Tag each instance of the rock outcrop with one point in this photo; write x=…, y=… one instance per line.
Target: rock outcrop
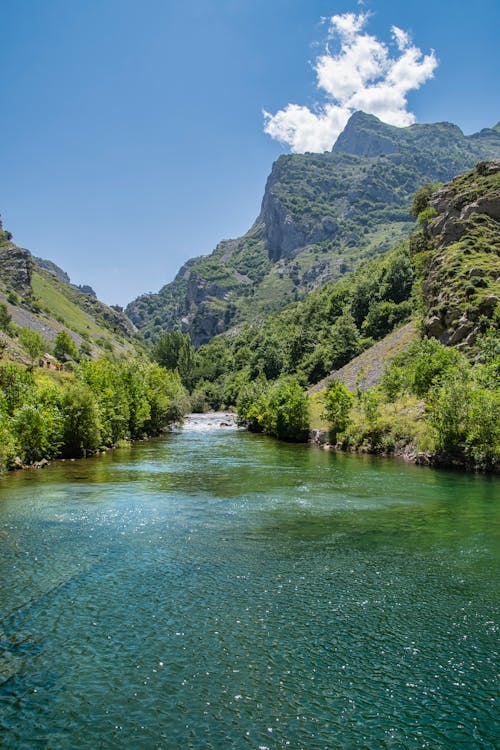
x=462, y=285
x=16, y=268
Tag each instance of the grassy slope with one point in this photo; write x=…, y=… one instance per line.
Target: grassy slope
x=49, y=305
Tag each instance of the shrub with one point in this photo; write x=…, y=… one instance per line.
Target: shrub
x=280, y=409
x=33, y=342
x=37, y=432
x=466, y=419
x=8, y=447
x=64, y=347
x=81, y=426
x=338, y=402
x=5, y=318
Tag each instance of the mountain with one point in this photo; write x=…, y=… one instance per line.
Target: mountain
x=37, y=294
x=54, y=269
x=413, y=333
x=321, y=215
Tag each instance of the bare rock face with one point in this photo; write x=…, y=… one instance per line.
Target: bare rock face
x=282, y=233
x=16, y=268
x=366, y=135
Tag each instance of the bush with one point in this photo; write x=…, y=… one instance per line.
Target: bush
x=81, y=427
x=64, y=347
x=423, y=365
x=338, y=402
x=466, y=419
x=5, y=318
x=33, y=343
x=8, y=447
x=37, y=431
x=281, y=409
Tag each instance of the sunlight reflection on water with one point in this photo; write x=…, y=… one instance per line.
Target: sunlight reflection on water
x=202, y=590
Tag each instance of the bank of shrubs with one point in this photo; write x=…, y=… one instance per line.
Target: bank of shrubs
x=44, y=414
x=433, y=400
x=279, y=408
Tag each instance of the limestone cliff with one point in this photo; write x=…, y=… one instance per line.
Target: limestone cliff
x=321, y=215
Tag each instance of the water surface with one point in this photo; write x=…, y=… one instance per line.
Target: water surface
x=216, y=589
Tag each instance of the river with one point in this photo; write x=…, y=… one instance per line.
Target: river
x=217, y=589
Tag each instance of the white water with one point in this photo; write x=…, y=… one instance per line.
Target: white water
x=215, y=420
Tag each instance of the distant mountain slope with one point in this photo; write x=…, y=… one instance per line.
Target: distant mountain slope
x=38, y=296
x=321, y=215
x=443, y=282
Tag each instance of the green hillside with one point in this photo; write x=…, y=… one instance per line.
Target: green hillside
x=41, y=300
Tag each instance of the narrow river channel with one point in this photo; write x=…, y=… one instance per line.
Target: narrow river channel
x=215, y=589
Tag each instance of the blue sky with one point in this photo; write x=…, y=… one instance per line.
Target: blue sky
x=132, y=133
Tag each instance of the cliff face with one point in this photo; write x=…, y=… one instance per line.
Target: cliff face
x=321, y=215
x=16, y=268
x=462, y=283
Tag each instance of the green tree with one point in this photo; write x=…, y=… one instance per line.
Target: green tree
x=8, y=447
x=81, y=426
x=337, y=402
x=280, y=409
x=37, y=432
x=64, y=347
x=5, y=318
x=421, y=198
x=174, y=351
x=345, y=340
x=33, y=343
x=16, y=385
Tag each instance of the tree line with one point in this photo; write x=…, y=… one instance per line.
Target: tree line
x=46, y=414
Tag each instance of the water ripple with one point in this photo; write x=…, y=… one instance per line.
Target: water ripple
x=219, y=590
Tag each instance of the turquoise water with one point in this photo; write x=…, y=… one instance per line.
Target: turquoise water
x=222, y=590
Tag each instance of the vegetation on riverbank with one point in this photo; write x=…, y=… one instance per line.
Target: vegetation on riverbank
x=432, y=400
x=46, y=414
x=400, y=356
x=433, y=405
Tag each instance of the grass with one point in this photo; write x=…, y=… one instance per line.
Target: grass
x=61, y=308
x=316, y=407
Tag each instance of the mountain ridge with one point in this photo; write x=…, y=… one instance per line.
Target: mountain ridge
x=321, y=215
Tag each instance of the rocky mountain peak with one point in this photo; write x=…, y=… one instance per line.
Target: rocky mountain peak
x=366, y=135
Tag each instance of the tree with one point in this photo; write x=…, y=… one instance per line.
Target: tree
x=174, y=351
x=5, y=318
x=33, y=342
x=37, y=431
x=280, y=409
x=420, y=201
x=338, y=401
x=64, y=347
x=81, y=426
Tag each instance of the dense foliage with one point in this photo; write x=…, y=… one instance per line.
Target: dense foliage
x=431, y=400
x=279, y=409
x=310, y=338
x=44, y=414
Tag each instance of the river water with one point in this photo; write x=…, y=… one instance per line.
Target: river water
x=216, y=589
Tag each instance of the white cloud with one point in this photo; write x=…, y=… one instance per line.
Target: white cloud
x=361, y=74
